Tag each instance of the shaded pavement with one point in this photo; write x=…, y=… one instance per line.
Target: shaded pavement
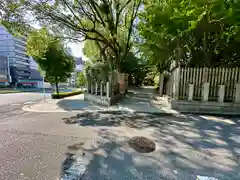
x=186, y=146
x=143, y=100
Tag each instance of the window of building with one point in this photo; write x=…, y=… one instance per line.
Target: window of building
x=20, y=54
x=20, y=43
x=2, y=70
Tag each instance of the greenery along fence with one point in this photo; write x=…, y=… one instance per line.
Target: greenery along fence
x=178, y=85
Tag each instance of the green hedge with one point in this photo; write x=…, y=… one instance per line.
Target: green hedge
x=65, y=94
x=9, y=91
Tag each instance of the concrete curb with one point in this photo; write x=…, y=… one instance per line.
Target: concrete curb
x=164, y=111
x=29, y=108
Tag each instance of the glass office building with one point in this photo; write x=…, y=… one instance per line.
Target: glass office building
x=22, y=68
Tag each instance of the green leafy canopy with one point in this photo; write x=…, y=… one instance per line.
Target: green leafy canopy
x=51, y=56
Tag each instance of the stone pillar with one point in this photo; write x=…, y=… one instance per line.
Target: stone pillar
x=96, y=89
x=190, y=92
x=237, y=95
x=161, y=80
x=92, y=90
x=101, y=89
x=205, y=92
x=221, y=93
x=88, y=87
x=108, y=89
x=176, y=82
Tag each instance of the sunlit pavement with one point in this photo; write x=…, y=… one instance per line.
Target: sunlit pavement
x=187, y=147
x=15, y=99
x=41, y=146
x=34, y=145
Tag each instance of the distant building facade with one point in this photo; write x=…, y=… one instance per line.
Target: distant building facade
x=22, y=68
x=4, y=70
x=78, y=67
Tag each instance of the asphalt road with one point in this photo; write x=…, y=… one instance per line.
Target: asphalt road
x=33, y=146
x=19, y=98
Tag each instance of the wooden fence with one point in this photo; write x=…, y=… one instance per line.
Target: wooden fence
x=179, y=80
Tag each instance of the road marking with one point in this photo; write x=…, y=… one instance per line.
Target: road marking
x=29, y=102
x=74, y=167
x=15, y=104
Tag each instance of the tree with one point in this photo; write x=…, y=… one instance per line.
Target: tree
x=81, y=79
x=12, y=17
x=163, y=27
x=51, y=56
x=100, y=21
x=135, y=67
x=91, y=51
x=193, y=33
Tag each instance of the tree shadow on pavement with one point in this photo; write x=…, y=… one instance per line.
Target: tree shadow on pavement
x=99, y=118
x=187, y=146
x=210, y=141
x=114, y=159
x=110, y=160
x=117, y=118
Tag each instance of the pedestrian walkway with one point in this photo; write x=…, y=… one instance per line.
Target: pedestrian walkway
x=137, y=100
x=73, y=104
x=144, y=100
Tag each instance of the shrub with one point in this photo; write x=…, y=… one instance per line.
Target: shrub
x=65, y=94
x=9, y=91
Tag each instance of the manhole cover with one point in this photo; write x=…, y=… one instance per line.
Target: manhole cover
x=142, y=144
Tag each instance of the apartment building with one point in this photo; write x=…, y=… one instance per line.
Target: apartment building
x=22, y=70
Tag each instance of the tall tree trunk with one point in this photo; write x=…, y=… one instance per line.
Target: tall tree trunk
x=56, y=83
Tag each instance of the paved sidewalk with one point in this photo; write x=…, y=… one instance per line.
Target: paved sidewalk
x=73, y=104
x=141, y=100
x=137, y=100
